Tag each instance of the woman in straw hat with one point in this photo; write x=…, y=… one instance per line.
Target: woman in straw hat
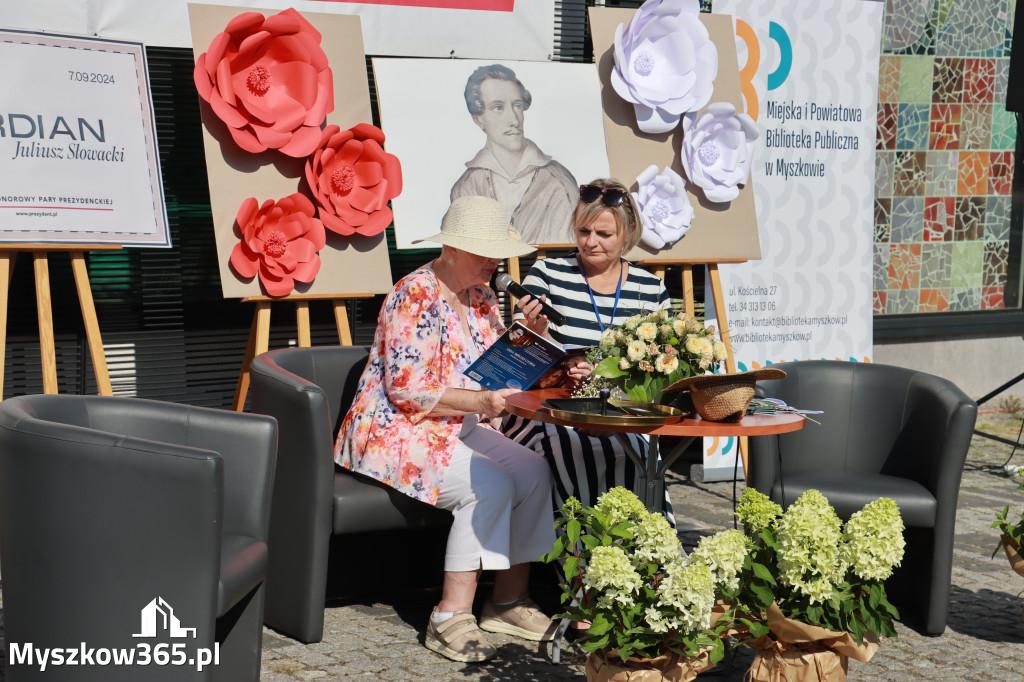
x=421, y=426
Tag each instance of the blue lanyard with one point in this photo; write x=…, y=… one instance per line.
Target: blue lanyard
x=618, y=290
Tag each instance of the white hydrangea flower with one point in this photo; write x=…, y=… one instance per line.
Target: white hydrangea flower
x=665, y=63
x=717, y=150
x=656, y=541
x=611, y=573
x=665, y=209
x=873, y=540
x=723, y=553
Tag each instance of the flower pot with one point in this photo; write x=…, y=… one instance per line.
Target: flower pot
x=606, y=666
x=1011, y=548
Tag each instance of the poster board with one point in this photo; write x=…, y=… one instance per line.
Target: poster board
x=429, y=126
x=355, y=264
x=719, y=232
x=78, y=153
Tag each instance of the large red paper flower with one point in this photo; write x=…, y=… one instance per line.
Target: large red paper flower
x=268, y=80
x=352, y=179
x=279, y=242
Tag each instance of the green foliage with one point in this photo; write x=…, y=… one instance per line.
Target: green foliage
x=1008, y=528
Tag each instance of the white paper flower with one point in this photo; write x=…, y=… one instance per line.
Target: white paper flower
x=718, y=147
x=665, y=63
x=665, y=210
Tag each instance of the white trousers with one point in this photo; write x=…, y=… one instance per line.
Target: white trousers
x=500, y=495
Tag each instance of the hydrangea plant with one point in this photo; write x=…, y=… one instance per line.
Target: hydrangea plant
x=815, y=568
x=626, y=572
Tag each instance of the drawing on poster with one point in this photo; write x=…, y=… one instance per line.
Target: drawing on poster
x=523, y=133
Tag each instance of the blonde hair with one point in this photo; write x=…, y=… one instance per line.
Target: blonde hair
x=625, y=214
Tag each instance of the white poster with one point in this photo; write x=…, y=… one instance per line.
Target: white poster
x=498, y=29
x=811, y=83
x=524, y=133
x=78, y=154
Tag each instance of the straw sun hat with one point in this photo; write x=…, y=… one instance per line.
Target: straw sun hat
x=479, y=225
x=724, y=397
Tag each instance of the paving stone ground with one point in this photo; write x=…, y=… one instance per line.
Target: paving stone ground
x=378, y=633
x=379, y=636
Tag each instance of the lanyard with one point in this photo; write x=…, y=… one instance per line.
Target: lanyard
x=618, y=290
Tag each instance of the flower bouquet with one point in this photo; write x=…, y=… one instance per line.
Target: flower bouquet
x=649, y=605
x=811, y=592
x=648, y=353
x=1011, y=535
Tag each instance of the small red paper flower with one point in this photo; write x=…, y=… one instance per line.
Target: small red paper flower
x=279, y=242
x=269, y=81
x=352, y=179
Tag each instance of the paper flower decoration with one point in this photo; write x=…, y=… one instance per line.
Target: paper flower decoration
x=665, y=63
x=268, y=80
x=665, y=209
x=279, y=242
x=718, y=147
x=352, y=178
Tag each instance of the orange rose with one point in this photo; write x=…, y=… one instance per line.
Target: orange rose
x=268, y=80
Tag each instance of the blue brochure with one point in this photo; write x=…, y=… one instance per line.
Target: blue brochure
x=521, y=359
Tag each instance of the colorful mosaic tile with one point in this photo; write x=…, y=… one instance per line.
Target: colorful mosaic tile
x=889, y=79
x=912, y=126
x=880, y=262
x=907, y=29
x=1001, y=81
x=888, y=115
x=904, y=266
x=939, y=213
x=883, y=220
x=969, y=219
x=1004, y=128
x=1000, y=178
x=907, y=219
x=885, y=166
x=940, y=173
x=948, y=75
x=916, y=78
x=908, y=179
x=997, y=218
x=902, y=301
x=976, y=126
x=996, y=255
x=963, y=299
x=968, y=261
x=992, y=298
x=878, y=302
x=936, y=265
x=972, y=174
x=933, y=301
x=944, y=127
x=973, y=28
x=979, y=81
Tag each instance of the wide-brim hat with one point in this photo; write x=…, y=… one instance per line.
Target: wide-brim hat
x=479, y=225
x=707, y=380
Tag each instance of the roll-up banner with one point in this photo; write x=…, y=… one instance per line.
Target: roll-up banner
x=810, y=73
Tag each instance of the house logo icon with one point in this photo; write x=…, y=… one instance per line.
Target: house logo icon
x=158, y=616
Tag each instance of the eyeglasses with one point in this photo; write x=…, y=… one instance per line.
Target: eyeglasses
x=611, y=196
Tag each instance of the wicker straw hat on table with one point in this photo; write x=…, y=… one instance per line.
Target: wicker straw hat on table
x=722, y=397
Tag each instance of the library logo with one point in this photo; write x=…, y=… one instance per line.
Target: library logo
x=158, y=617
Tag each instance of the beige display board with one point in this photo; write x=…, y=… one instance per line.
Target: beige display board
x=349, y=265
x=725, y=232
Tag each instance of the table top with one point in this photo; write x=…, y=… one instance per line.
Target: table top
x=527, y=404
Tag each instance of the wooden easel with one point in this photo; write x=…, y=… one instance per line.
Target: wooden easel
x=259, y=333
x=44, y=309
x=718, y=296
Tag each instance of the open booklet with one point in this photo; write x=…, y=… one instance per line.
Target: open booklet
x=522, y=359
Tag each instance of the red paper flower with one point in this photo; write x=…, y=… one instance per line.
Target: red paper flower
x=268, y=80
x=352, y=179
x=279, y=242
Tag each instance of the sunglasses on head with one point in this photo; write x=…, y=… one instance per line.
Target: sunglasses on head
x=611, y=196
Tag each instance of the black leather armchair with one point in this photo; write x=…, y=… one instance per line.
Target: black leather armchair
x=309, y=390
x=885, y=432
x=131, y=524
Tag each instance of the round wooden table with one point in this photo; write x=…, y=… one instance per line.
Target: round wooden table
x=527, y=404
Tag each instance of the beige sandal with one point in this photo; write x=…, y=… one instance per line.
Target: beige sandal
x=459, y=638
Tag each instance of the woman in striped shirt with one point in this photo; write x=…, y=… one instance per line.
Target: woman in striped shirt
x=596, y=289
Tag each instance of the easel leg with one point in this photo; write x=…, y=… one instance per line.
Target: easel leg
x=341, y=322
x=259, y=340
x=688, y=306
x=6, y=271
x=92, y=326
x=730, y=362
x=44, y=310
x=302, y=323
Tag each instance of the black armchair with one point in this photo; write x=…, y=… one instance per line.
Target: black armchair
x=885, y=432
x=129, y=524
x=309, y=390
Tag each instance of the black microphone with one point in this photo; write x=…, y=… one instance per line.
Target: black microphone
x=504, y=282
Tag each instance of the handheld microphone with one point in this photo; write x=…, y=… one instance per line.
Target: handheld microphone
x=505, y=283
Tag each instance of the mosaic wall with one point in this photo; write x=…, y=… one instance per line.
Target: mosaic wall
x=944, y=161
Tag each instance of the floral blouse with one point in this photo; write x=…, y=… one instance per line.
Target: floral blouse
x=419, y=350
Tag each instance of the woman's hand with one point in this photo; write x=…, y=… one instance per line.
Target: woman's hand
x=492, y=403
x=578, y=372
x=531, y=309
